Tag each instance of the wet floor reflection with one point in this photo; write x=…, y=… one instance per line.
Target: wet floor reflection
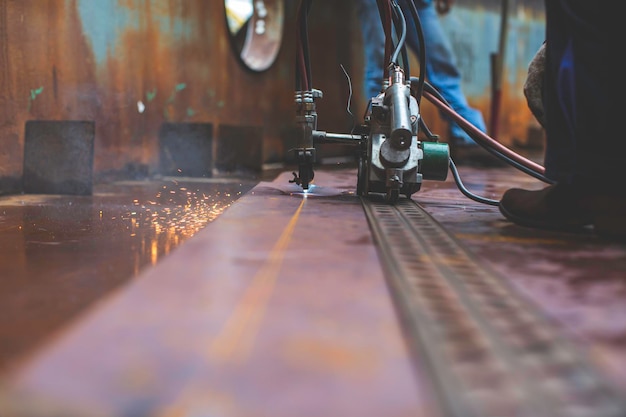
x=59, y=254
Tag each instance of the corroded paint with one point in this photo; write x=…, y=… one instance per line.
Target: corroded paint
x=104, y=61
x=474, y=33
x=130, y=65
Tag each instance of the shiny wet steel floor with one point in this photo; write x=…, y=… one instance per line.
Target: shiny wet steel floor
x=303, y=267
x=60, y=253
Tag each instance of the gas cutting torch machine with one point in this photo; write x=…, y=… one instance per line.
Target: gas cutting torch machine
x=391, y=159
x=396, y=151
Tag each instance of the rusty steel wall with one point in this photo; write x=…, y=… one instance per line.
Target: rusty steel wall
x=88, y=60
x=132, y=65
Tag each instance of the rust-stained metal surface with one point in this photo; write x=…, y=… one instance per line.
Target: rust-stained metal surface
x=59, y=254
x=280, y=307
x=132, y=65
x=577, y=280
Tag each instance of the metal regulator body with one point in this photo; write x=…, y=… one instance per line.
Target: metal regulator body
x=392, y=160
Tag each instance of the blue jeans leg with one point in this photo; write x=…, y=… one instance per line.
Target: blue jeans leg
x=441, y=69
x=373, y=46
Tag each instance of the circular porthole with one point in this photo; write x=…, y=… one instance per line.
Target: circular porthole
x=256, y=29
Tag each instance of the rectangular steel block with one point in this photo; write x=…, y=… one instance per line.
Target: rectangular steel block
x=186, y=149
x=239, y=148
x=58, y=157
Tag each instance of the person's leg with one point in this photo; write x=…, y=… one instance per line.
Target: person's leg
x=441, y=69
x=585, y=148
x=373, y=37
x=584, y=99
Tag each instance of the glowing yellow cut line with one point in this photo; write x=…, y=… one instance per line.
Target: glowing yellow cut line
x=235, y=341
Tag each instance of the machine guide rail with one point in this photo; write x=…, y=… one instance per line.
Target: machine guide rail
x=489, y=352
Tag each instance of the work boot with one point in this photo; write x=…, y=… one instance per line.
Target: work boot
x=566, y=208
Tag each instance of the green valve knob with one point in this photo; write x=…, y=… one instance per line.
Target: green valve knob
x=436, y=161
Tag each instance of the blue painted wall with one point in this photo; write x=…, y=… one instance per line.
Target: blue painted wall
x=475, y=35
